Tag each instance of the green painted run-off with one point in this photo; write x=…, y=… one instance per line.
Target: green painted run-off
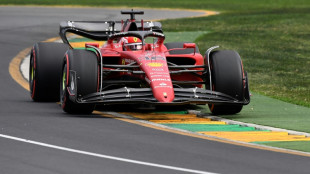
x=206, y=127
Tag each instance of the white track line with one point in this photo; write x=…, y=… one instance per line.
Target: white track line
x=104, y=156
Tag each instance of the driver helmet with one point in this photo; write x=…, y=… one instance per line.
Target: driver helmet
x=132, y=43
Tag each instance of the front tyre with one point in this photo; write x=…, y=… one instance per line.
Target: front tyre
x=227, y=77
x=45, y=69
x=79, y=74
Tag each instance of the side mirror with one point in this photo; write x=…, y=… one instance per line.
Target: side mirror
x=190, y=45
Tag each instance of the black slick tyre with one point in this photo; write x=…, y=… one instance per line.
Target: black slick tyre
x=81, y=65
x=45, y=69
x=227, y=77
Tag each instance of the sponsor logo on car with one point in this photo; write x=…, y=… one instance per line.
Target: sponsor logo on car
x=151, y=56
x=160, y=76
x=119, y=34
x=159, y=73
x=166, y=80
x=157, y=69
x=127, y=61
x=158, y=34
x=162, y=87
x=154, y=64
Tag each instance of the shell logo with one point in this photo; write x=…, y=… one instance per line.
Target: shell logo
x=155, y=64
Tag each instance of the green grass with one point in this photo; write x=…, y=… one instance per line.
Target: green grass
x=272, y=112
x=272, y=37
x=189, y=36
x=274, y=46
x=295, y=145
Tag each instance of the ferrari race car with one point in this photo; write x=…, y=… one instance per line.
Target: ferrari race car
x=117, y=62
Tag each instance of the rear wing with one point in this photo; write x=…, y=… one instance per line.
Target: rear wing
x=100, y=30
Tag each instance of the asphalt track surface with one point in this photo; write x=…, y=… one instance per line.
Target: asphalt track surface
x=63, y=143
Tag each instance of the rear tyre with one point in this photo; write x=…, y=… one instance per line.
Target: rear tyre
x=80, y=65
x=45, y=69
x=172, y=45
x=227, y=77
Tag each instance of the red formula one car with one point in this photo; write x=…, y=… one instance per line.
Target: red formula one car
x=114, y=62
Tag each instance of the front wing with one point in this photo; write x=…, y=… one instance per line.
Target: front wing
x=145, y=95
